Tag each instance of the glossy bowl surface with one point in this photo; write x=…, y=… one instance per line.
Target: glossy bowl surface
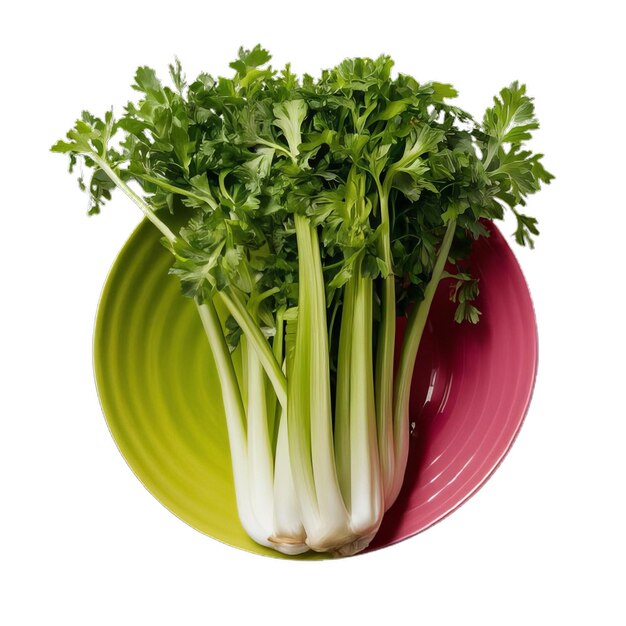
x=160, y=395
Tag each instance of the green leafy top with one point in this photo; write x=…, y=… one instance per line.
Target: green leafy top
x=365, y=155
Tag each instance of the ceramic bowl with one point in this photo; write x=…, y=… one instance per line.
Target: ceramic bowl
x=160, y=394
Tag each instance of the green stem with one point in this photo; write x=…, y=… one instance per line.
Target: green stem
x=276, y=147
x=226, y=372
x=404, y=375
x=257, y=342
x=289, y=532
x=309, y=412
x=145, y=208
x=342, y=393
x=385, y=349
x=178, y=190
x=366, y=493
x=492, y=149
x=235, y=419
x=260, y=449
x=274, y=409
x=299, y=400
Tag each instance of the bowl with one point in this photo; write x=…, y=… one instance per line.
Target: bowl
x=160, y=395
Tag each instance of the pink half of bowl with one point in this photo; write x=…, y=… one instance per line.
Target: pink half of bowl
x=471, y=390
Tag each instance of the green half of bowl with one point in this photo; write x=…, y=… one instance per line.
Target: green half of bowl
x=160, y=393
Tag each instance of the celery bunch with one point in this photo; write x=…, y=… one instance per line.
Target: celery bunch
x=317, y=211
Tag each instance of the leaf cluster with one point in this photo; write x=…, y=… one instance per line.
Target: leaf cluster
x=240, y=155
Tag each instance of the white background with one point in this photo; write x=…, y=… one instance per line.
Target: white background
x=82, y=542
